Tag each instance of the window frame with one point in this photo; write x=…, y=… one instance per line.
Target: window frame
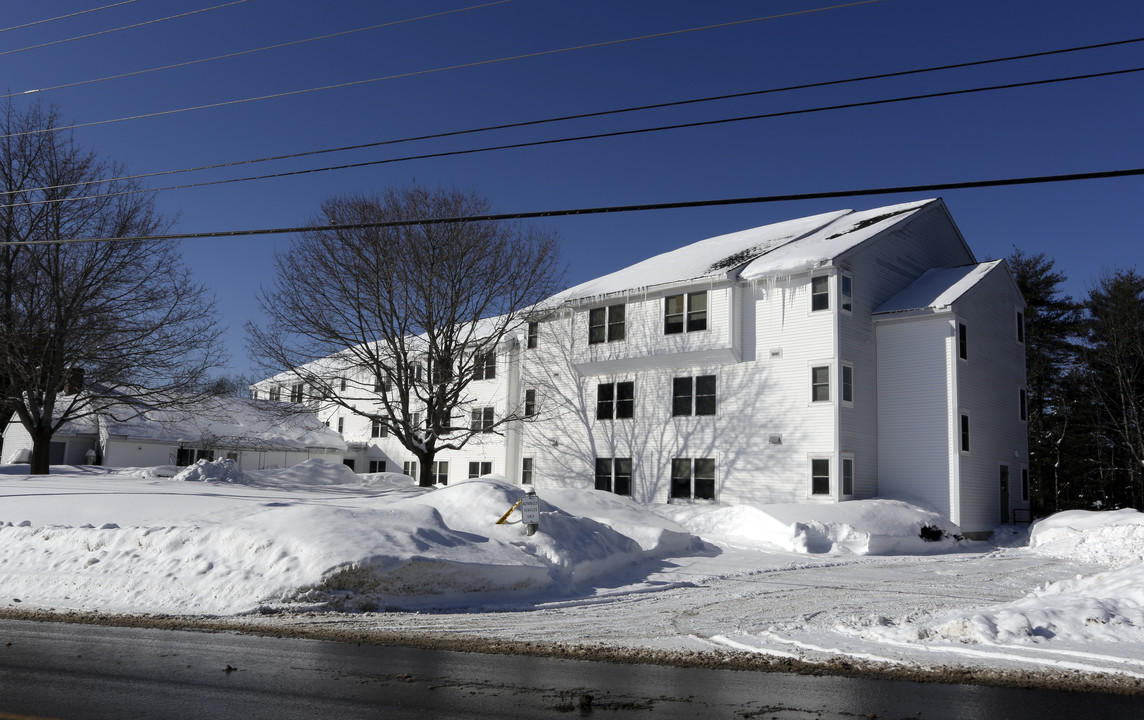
x=615, y=400
x=686, y=486
x=846, y=292
x=846, y=391
x=816, y=383
x=485, y=365
x=482, y=419
x=526, y=471
x=1023, y=399
x=1020, y=327
x=606, y=324
x=696, y=401
x=846, y=469
x=962, y=342
x=409, y=468
x=819, y=293
x=532, y=335
x=530, y=402
x=378, y=429
x=610, y=481
x=964, y=436
x=483, y=467
x=439, y=470
x=817, y=477
x=685, y=317
x=377, y=466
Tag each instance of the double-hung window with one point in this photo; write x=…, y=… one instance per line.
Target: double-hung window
x=962, y=341
x=614, y=475
x=693, y=396
x=526, y=471
x=615, y=401
x=964, y=433
x=685, y=312
x=485, y=366
x=820, y=293
x=296, y=393
x=533, y=334
x=846, y=293
x=378, y=429
x=1020, y=327
x=482, y=420
x=529, y=402
x=848, y=383
x=693, y=478
x=820, y=383
x=377, y=466
x=820, y=476
x=606, y=324
x=480, y=469
x=440, y=472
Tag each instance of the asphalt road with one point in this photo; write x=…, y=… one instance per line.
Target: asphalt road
x=56, y=670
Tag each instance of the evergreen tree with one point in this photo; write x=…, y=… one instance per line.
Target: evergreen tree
x=1051, y=324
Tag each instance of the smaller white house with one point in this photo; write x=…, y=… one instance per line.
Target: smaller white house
x=255, y=433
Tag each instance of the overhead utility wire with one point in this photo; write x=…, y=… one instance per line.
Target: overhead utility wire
x=64, y=17
x=754, y=200
x=252, y=51
x=416, y=73
x=598, y=113
x=593, y=136
x=125, y=27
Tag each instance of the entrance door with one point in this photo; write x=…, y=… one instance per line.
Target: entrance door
x=1005, y=519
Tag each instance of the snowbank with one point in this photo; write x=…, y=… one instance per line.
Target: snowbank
x=861, y=527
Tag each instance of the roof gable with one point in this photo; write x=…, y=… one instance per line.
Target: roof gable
x=937, y=289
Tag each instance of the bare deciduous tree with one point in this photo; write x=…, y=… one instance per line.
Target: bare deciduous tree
x=394, y=323
x=123, y=317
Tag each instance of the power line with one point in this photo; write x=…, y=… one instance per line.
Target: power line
x=125, y=27
x=601, y=113
x=252, y=51
x=64, y=17
x=416, y=73
x=579, y=138
x=758, y=199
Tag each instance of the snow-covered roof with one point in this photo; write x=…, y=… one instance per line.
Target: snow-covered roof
x=229, y=422
x=784, y=247
x=937, y=289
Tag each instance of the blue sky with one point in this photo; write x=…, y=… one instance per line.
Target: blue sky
x=1084, y=126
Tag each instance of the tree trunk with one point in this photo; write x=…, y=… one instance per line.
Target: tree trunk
x=41, y=452
x=425, y=477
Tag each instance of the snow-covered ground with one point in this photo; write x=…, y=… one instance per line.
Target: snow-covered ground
x=812, y=582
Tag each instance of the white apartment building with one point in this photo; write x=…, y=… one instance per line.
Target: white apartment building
x=841, y=356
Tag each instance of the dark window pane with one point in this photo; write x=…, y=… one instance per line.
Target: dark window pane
x=533, y=331
x=847, y=476
x=846, y=283
x=962, y=342
x=605, y=401
x=625, y=399
x=681, y=478
x=697, y=311
x=673, y=315
x=616, y=322
x=604, y=474
x=820, y=476
x=847, y=383
x=705, y=478
x=623, y=476
x=596, y=325
x=705, y=395
x=681, y=396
